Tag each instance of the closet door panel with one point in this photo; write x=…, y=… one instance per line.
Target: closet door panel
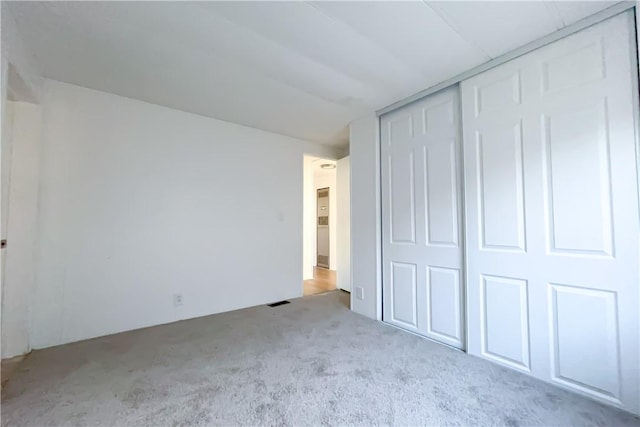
x=551, y=211
x=421, y=199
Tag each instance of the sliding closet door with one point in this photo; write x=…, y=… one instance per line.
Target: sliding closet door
x=422, y=246
x=552, y=214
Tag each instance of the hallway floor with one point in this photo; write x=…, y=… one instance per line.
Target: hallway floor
x=310, y=362
x=324, y=280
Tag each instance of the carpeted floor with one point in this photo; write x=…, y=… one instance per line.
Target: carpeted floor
x=310, y=362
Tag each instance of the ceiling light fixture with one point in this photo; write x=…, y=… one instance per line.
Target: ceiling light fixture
x=327, y=166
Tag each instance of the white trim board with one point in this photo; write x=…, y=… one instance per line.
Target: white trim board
x=564, y=32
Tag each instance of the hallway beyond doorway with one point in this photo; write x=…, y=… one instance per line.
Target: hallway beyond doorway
x=324, y=280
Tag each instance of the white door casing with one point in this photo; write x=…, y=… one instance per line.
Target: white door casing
x=421, y=216
x=343, y=224
x=552, y=214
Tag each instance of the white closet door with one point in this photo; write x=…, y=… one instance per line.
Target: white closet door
x=552, y=214
x=422, y=249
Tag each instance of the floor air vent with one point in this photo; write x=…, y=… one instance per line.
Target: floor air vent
x=275, y=304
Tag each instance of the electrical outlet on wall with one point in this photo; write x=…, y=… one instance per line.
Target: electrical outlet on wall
x=359, y=292
x=177, y=300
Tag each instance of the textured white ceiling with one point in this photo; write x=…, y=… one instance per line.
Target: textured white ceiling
x=304, y=69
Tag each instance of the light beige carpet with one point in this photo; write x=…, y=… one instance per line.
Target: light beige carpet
x=310, y=362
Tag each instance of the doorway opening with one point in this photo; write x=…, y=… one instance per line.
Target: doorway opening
x=320, y=226
x=326, y=226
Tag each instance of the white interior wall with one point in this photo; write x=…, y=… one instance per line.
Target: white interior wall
x=14, y=52
x=343, y=223
x=5, y=176
x=19, y=273
x=364, y=150
x=5, y=134
x=5, y=154
x=309, y=221
x=138, y=202
x=637, y=88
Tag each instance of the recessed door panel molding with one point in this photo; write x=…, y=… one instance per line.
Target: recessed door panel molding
x=505, y=321
x=577, y=312
x=502, y=93
x=551, y=214
x=578, y=184
x=439, y=117
x=399, y=129
x=444, y=293
x=500, y=187
x=421, y=216
x=441, y=198
x=404, y=294
x=402, y=198
x=580, y=65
